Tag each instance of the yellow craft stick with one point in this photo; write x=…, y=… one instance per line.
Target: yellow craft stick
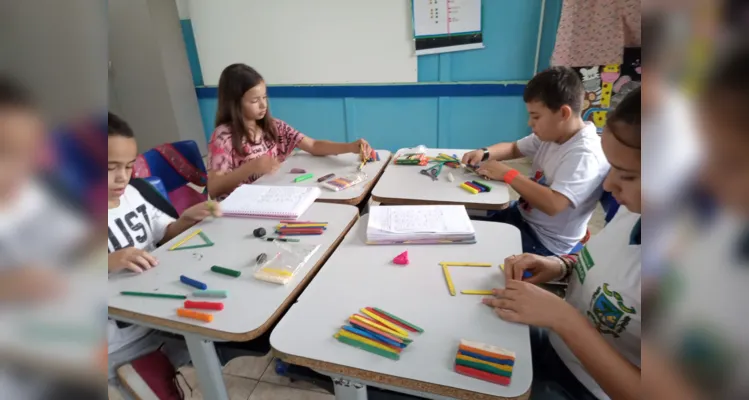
x=364, y=340
x=188, y=237
x=479, y=292
x=275, y=271
x=300, y=225
x=449, y=280
x=507, y=368
x=384, y=321
x=464, y=264
x=378, y=326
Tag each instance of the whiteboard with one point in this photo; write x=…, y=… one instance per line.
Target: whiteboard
x=307, y=42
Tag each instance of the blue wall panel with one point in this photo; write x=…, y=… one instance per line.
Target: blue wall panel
x=319, y=118
x=476, y=122
x=395, y=123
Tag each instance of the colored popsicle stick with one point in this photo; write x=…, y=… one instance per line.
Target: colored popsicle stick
x=464, y=264
x=364, y=340
x=211, y=293
x=204, y=305
x=474, y=373
x=193, y=282
x=483, y=367
x=159, y=295
x=391, y=345
x=490, y=359
x=383, y=321
x=183, y=312
x=365, y=347
x=407, y=324
x=185, y=239
x=381, y=327
x=506, y=368
x=448, y=279
x=226, y=271
x=373, y=330
x=478, y=292
x=488, y=349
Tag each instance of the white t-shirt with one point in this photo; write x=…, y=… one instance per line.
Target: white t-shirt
x=135, y=223
x=605, y=287
x=576, y=169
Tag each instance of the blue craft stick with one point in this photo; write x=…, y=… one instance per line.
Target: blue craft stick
x=485, y=358
x=193, y=282
x=369, y=335
x=378, y=156
x=527, y=274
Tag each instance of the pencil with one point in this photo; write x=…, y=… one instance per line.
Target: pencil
x=186, y=238
x=159, y=295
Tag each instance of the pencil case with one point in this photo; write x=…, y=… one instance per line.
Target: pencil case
x=411, y=159
x=282, y=267
x=344, y=182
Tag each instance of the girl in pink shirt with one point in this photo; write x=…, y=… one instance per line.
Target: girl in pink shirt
x=247, y=142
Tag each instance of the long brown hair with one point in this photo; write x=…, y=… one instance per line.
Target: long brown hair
x=235, y=80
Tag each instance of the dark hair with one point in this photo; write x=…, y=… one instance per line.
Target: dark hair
x=625, y=122
x=234, y=82
x=116, y=126
x=728, y=84
x=14, y=95
x=556, y=87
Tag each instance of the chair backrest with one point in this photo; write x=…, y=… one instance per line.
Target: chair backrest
x=609, y=205
x=160, y=167
x=156, y=182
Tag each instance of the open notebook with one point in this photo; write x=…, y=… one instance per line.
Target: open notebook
x=419, y=225
x=257, y=201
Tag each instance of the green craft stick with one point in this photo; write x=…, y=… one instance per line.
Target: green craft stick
x=366, y=347
x=483, y=367
x=161, y=295
x=226, y=271
x=303, y=177
x=211, y=293
x=205, y=238
x=404, y=322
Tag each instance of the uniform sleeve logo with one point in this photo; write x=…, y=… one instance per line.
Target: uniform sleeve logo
x=584, y=263
x=608, y=312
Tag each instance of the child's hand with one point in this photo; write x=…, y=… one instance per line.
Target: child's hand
x=526, y=303
x=544, y=269
x=133, y=259
x=201, y=211
x=31, y=283
x=493, y=170
x=473, y=158
x=266, y=164
x=361, y=146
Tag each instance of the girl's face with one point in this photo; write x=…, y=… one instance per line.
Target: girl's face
x=623, y=180
x=122, y=152
x=255, y=102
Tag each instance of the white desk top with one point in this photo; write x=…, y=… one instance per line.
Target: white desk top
x=404, y=184
x=358, y=275
x=252, y=305
x=340, y=165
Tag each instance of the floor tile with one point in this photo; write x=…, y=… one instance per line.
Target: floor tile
x=269, y=391
x=238, y=388
x=248, y=367
x=271, y=376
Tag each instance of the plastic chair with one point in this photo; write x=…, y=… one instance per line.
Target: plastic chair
x=180, y=195
x=610, y=207
x=156, y=182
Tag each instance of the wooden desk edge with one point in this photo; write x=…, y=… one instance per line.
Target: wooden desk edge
x=367, y=190
x=391, y=201
x=239, y=337
x=393, y=380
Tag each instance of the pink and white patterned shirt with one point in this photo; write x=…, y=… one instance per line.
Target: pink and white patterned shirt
x=223, y=158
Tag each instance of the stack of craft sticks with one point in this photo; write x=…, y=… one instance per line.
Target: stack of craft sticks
x=297, y=228
x=377, y=332
x=485, y=362
x=476, y=187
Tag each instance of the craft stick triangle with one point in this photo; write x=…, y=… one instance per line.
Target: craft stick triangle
x=206, y=241
x=401, y=259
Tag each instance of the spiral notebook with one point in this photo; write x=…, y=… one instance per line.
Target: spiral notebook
x=257, y=201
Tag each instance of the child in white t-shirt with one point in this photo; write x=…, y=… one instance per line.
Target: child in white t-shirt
x=593, y=346
x=559, y=197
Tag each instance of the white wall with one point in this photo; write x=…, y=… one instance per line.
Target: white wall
x=306, y=41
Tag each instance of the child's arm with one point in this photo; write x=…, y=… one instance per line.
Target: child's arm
x=221, y=183
x=328, y=148
x=190, y=217
x=504, y=151
x=538, y=196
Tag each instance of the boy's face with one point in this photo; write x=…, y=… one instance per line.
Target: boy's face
x=21, y=144
x=122, y=152
x=624, y=179
x=544, y=122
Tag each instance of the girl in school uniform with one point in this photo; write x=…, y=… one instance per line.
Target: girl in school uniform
x=588, y=344
x=248, y=142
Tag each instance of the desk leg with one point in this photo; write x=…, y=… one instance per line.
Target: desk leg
x=207, y=367
x=349, y=390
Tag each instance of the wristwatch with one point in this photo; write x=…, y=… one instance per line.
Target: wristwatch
x=486, y=154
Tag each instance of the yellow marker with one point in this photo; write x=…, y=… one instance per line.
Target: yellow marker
x=479, y=292
x=274, y=271
x=449, y=280
x=364, y=340
x=383, y=321
x=502, y=267
x=464, y=264
x=378, y=326
x=188, y=237
x=468, y=188
x=507, y=368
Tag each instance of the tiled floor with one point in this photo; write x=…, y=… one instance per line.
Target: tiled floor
x=251, y=378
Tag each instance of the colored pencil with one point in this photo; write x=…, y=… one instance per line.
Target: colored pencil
x=448, y=279
x=159, y=295
x=402, y=321
x=384, y=321
x=185, y=239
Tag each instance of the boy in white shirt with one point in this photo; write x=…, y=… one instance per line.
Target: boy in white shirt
x=568, y=168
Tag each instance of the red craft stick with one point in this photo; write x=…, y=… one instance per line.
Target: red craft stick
x=486, y=376
x=385, y=317
x=204, y=305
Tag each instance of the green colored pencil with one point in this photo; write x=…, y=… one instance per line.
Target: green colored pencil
x=160, y=295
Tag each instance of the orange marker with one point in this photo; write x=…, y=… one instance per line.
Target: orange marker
x=182, y=312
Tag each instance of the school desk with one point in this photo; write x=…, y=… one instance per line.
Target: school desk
x=340, y=165
x=359, y=275
x=404, y=184
x=252, y=306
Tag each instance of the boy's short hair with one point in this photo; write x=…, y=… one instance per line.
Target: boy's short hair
x=14, y=95
x=625, y=121
x=116, y=126
x=556, y=87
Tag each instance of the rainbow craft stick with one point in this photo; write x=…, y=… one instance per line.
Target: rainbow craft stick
x=407, y=324
x=383, y=321
x=469, y=189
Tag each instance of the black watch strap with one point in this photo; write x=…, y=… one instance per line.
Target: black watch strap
x=486, y=154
